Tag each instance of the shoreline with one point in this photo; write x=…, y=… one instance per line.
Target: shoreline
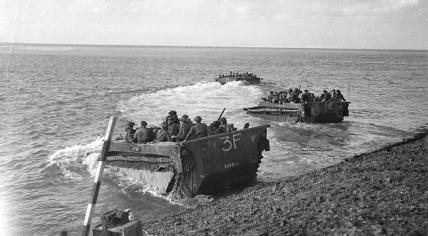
x=381, y=192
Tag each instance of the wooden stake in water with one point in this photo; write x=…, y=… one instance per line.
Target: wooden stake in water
x=97, y=181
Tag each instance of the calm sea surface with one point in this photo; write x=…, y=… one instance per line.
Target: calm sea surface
x=56, y=102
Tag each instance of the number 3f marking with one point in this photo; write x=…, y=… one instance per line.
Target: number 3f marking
x=228, y=145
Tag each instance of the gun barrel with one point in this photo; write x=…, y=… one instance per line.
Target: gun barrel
x=221, y=114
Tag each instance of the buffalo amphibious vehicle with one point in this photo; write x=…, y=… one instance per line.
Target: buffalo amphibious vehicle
x=247, y=78
x=184, y=169
x=309, y=112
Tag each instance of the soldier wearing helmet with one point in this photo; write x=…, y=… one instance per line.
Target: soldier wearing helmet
x=162, y=135
x=142, y=134
x=173, y=128
x=222, y=128
x=198, y=130
x=340, y=96
x=186, y=125
x=305, y=96
x=172, y=115
x=129, y=136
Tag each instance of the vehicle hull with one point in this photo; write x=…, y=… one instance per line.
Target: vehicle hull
x=311, y=112
x=205, y=165
x=246, y=80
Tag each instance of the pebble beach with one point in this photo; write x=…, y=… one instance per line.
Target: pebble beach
x=383, y=192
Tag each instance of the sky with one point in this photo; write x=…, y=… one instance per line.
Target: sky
x=359, y=24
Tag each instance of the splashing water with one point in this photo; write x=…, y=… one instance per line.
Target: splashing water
x=78, y=155
x=206, y=99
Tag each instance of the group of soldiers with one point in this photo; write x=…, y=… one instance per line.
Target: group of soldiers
x=174, y=129
x=296, y=95
x=238, y=75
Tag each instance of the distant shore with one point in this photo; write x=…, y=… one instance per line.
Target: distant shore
x=384, y=192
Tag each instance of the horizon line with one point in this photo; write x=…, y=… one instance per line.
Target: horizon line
x=196, y=46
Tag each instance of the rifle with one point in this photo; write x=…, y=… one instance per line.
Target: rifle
x=218, y=119
x=213, y=126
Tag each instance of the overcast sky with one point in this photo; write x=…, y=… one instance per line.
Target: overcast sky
x=366, y=24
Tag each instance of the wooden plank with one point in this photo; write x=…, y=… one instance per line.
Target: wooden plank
x=98, y=177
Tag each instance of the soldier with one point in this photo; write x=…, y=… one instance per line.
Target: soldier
x=305, y=96
x=270, y=96
x=325, y=96
x=162, y=135
x=142, y=134
x=173, y=116
x=312, y=97
x=333, y=94
x=340, y=96
x=295, y=97
x=198, y=130
x=173, y=128
x=186, y=124
x=129, y=136
x=290, y=94
x=224, y=126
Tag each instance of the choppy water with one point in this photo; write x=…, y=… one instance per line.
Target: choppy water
x=56, y=102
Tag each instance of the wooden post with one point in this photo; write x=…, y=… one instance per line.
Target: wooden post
x=99, y=174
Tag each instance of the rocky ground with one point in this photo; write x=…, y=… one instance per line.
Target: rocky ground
x=380, y=193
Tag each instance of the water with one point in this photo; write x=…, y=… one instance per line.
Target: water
x=56, y=102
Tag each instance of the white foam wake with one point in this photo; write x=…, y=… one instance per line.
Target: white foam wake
x=206, y=99
x=77, y=156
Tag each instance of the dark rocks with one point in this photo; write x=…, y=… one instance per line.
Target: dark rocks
x=380, y=193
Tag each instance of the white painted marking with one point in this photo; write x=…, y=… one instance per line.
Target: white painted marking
x=235, y=139
x=88, y=212
x=100, y=168
x=227, y=142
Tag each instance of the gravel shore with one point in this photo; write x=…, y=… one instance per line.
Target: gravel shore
x=384, y=192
